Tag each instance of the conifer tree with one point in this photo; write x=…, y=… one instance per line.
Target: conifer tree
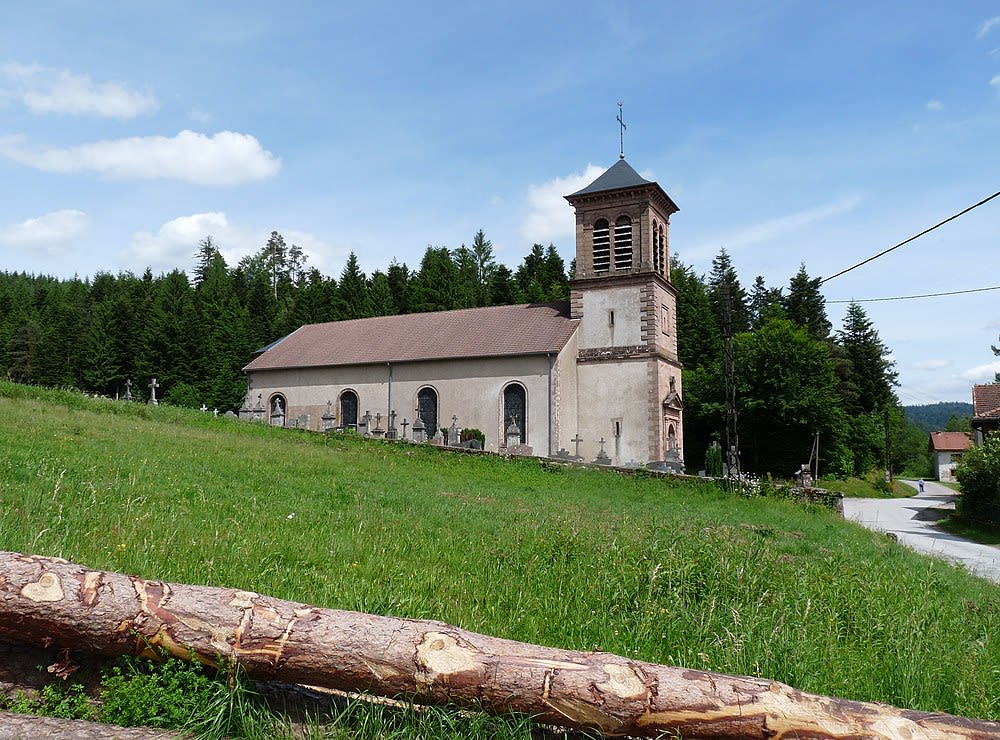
x=486, y=266
x=872, y=375
x=381, y=295
x=398, y=276
x=805, y=305
x=353, y=290
x=433, y=287
x=724, y=282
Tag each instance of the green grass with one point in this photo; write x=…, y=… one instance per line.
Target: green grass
x=981, y=533
x=675, y=573
x=871, y=486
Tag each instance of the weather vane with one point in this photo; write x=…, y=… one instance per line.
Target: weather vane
x=621, y=132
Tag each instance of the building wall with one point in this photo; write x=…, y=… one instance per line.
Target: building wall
x=944, y=465
x=471, y=389
x=612, y=317
x=611, y=392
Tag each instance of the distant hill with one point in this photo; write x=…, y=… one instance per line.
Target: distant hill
x=932, y=417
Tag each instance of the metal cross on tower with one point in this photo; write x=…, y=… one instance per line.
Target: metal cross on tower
x=621, y=132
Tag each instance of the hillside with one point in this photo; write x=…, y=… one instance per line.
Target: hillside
x=675, y=573
x=932, y=417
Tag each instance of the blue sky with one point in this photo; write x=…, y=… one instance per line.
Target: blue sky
x=787, y=132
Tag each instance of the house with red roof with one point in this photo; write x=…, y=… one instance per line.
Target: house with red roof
x=947, y=449
x=985, y=410
x=596, y=378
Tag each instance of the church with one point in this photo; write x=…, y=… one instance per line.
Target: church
x=595, y=379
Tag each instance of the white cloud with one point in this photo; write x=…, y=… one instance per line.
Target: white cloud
x=47, y=90
x=988, y=25
x=226, y=158
x=930, y=364
x=996, y=82
x=981, y=373
x=175, y=243
x=935, y=105
x=550, y=217
x=776, y=228
x=50, y=233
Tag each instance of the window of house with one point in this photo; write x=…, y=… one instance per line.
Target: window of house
x=602, y=246
x=349, y=410
x=427, y=404
x=623, y=243
x=515, y=409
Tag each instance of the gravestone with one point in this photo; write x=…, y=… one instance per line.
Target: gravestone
x=602, y=456
x=303, y=421
x=419, y=430
x=329, y=420
x=364, y=426
x=230, y=415
x=128, y=390
x=153, y=385
x=258, y=410
x=404, y=425
x=438, y=438
x=392, y=433
x=378, y=432
x=512, y=437
x=454, y=433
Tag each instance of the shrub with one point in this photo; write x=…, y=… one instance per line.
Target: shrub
x=471, y=433
x=979, y=473
x=713, y=461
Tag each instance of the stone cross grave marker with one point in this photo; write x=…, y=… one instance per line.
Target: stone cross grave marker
x=153, y=385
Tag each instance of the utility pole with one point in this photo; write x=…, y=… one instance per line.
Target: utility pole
x=888, y=448
x=732, y=438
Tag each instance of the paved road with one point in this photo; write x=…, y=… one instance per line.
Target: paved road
x=912, y=521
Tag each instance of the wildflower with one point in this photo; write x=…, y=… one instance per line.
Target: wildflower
x=291, y=516
x=121, y=547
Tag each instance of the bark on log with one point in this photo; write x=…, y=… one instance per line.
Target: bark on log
x=55, y=603
x=29, y=727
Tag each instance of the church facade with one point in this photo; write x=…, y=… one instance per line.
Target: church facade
x=596, y=379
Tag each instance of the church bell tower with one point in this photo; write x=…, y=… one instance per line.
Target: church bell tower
x=627, y=361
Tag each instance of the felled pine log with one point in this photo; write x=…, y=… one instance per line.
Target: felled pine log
x=52, y=602
x=25, y=727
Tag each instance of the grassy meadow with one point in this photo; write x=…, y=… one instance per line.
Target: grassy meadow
x=664, y=571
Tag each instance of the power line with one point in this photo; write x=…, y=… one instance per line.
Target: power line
x=922, y=295
x=912, y=238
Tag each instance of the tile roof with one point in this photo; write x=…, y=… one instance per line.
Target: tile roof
x=496, y=331
x=986, y=401
x=949, y=441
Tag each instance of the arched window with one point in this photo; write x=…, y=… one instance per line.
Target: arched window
x=602, y=246
x=427, y=404
x=623, y=243
x=515, y=409
x=661, y=250
x=657, y=255
x=278, y=409
x=349, y=410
